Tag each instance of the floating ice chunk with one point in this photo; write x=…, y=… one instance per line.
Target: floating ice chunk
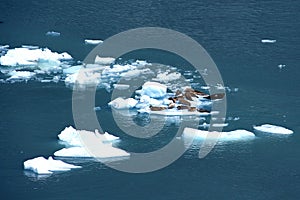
x=121, y=86
x=167, y=77
x=84, y=77
x=110, y=137
x=3, y=47
x=93, y=42
x=268, y=41
x=281, y=66
x=73, y=137
x=104, y=60
x=154, y=90
x=268, y=128
x=120, y=103
x=53, y=33
x=20, y=75
x=25, y=56
x=80, y=152
x=40, y=165
x=224, y=136
x=30, y=47
x=70, y=136
x=220, y=125
x=72, y=70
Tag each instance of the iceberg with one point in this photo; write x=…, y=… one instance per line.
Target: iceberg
x=154, y=90
x=223, y=136
x=120, y=103
x=273, y=129
x=41, y=165
x=93, y=42
x=53, y=33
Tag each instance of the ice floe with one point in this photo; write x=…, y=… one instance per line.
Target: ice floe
x=268, y=41
x=53, y=33
x=27, y=56
x=41, y=165
x=93, y=42
x=121, y=103
x=221, y=136
x=20, y=75
x=273, y=129
x=167, y=77
x=154, y=90
x=104, y=60
x=73, y=137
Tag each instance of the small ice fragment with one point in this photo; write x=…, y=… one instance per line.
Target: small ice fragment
x=220, y=125
x=30, y=47
x=104, y=60
x=21, y=75
x=121, y=86
x=97, y=108
x=93, y=42
x=268, y=41
x=40, y=165
x=221, y=136
x=154, y=90
x=53, y=33
x=120, y=103
x=268, y=128
x=281, y=66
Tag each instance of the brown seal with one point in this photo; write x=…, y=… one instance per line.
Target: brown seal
x=157, y=108
x=203, y=110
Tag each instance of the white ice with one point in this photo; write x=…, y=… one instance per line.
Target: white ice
x=154, y=90
x=224, y=136
x=73, y=137
x=268, y=128
x=167, y=77
x=104, y=60
x=26, y=56
x=268, y=41
x=93, y=42
x=53, y=33
x=24, y=75
x=121, y=103
x=41, y=165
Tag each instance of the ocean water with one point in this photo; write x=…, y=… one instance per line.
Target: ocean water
x=33, y=113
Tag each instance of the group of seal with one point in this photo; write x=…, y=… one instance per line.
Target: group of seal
x=182, y=100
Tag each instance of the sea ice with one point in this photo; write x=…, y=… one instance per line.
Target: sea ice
x=167, y=77
x=73, y=137
x=120, y=103
x=53, y=33
x=224, y=136
x=40, y=165
x=93, y=42
x=268, y=41
x=268, y=128
x=104, y=60
x=32, y=57
x=154, y=90
x=20, y=75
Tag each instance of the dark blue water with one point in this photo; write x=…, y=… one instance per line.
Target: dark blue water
x=32, y=114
